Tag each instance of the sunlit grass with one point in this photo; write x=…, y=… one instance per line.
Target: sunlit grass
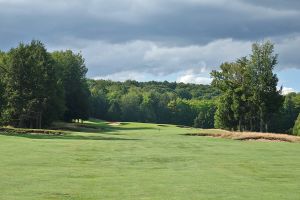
x=145, y=161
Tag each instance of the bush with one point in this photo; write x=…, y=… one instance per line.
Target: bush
x=296, y=130
x=205, y=119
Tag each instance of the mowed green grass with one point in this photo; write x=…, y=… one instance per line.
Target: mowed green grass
x=146, y=161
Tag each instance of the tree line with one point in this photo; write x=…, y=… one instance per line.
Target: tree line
x=157, y=102
x=38, y=87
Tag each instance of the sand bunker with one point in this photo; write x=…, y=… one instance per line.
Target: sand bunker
x=251, y=136
x=114, y=123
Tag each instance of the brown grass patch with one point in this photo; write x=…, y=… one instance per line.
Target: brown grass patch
x=114, y=123
x=251, y=136
x=20, y=131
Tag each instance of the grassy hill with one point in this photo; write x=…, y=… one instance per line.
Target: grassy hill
x=97, y=160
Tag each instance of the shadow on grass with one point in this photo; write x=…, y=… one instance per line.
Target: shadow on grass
x=63, y=131
x=66, y=137
x=100, y=127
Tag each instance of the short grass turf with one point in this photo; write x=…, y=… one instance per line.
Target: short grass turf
x=146, y=161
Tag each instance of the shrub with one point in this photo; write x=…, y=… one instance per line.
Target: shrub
x=205, y=118
x=296, y=129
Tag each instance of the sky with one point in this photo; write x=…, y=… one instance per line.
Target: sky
x=173, y=40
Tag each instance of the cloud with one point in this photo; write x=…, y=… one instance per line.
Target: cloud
x=286, y=90
x=288, y=50
x=172, y=21
x=131, y=38
x=191, y=77
x=104, y=58
x=123, y=76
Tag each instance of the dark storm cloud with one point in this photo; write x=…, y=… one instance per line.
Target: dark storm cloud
x=154, y=36
x=187, y=21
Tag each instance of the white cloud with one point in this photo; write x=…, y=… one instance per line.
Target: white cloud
x=286, y=90
x=191, y=77
x=123, y=76
x=195, y=57
x=104, y=58
x=137, y=39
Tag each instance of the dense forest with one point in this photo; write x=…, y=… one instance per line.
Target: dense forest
x=158, y=102
x=38, y=87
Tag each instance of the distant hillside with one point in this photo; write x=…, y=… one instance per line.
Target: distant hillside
x=183, y=90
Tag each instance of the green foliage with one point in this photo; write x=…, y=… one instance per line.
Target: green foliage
x=265, y=95
x=99, y=103
x=183, y=93
x=181, y=112
x=130, y=105
x=114, y=111
x=148, y=107
x=2, y=70
x=285, y=119
x=224, y=116
x=250, y=99
x=205, y=118
x=160, y=102
x=37, y=87
x=31, y=86
x=73, y=77
x=1, y=101
x=296, y=129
